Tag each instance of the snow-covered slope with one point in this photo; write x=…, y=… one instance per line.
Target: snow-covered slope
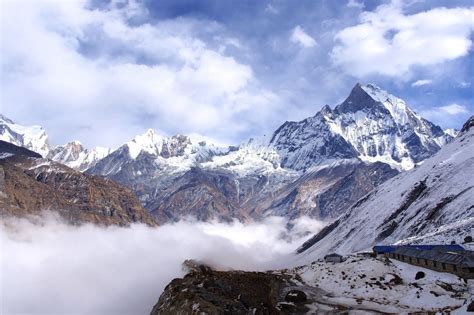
x=434, y=201
x=370, y=124
x=74, y=155
x=34, y=138
x=31, y=137
x=165, y=154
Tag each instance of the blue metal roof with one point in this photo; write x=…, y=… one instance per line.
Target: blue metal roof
x=381, y=249
x=384, y=248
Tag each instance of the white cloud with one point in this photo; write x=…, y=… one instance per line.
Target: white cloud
x=422, y=82
x=452, y=115
x=389, y=42
x=453, y=109
x=52, y=268
x=87, y=73
x=355, y=4
x=271, y=9
x=299, y=36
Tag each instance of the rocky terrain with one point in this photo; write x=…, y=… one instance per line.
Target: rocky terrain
x=370, y=285
x=30, y=185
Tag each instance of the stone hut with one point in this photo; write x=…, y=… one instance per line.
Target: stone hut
x=334, y=258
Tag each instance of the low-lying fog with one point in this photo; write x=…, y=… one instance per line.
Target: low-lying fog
x=49, y=267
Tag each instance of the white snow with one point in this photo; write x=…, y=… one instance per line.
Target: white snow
x=5, y=155
x=30, y=137
x=365, y=283
x=74, y=155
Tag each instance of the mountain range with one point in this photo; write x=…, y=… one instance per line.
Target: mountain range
x=316, y=167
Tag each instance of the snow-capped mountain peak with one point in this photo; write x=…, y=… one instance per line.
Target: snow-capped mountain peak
x=30, y=137
x=381, y=127
x=149, y=142
x=452, y=132
x=74, y=155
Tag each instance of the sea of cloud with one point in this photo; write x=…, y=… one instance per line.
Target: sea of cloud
x=49, y=267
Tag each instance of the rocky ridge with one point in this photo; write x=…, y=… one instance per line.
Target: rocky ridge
x=29, y=185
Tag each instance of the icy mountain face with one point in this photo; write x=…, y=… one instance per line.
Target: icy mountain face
x=370, y=124
x=34, y=138
x=310, y=142
x=179, y=176
x=74, y=155
x=434, y=201
x=31, y=137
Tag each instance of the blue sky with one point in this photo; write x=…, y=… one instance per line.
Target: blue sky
x=101, y=72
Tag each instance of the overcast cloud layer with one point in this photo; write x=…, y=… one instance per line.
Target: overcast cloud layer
x=53, y=268
x=102, y=72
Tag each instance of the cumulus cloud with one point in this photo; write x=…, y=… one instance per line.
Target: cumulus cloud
x=299, y=36
x=52, y=268
x=422, y=82
x=390, y=42
x=71, y=66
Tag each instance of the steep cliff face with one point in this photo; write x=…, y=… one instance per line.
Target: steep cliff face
x=30, y=185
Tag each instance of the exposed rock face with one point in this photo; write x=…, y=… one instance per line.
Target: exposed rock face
x=327, y=192
x=468, y=124
x=205, y=195
x=226, y=292
x=8, y=149
x=29, y=185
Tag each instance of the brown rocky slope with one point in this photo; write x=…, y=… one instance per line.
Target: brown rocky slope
x=30, y=185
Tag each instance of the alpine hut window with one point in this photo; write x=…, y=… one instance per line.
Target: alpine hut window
x=443, y=265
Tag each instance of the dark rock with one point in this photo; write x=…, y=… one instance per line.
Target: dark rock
x=419, y=275
x=468, y=124
x=470, y=307
x=6, y=147
x=296, y=296
x=222, y=292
